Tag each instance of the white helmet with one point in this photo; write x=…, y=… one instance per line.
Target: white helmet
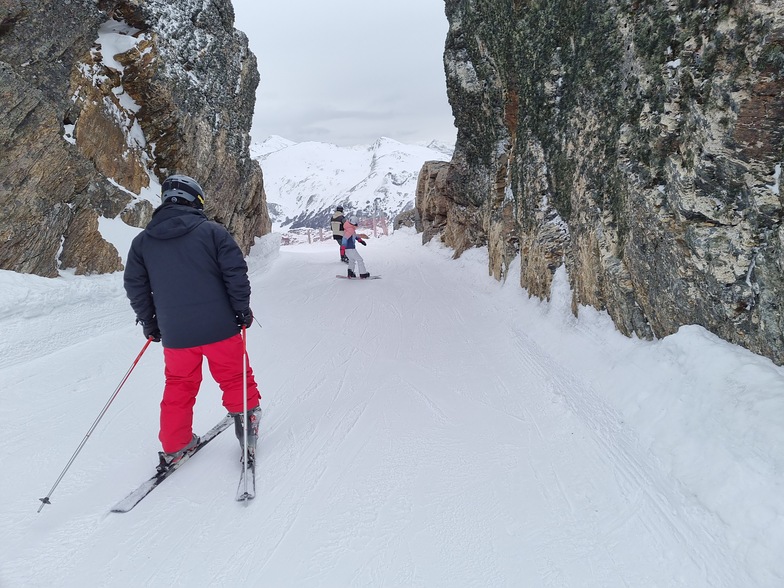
x=353, y=220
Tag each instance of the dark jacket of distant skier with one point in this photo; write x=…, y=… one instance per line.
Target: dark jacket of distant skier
x=192, y=286
x=337, y=223
x=337, y=231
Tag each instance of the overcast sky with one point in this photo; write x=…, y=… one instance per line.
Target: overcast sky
x=349, y=71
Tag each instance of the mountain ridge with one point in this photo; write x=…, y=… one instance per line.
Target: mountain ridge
x=305, y=181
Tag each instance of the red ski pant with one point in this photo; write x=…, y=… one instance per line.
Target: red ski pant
x=183, y=378
x=339, y=239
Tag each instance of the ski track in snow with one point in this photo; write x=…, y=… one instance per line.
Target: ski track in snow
x=400, y=445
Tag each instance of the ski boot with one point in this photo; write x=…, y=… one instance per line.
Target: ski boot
x=167, y=460
x=254, y=415
x=351, y=274
x=364, y=276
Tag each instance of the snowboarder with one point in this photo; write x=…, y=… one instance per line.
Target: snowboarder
x=350, y=239
x=337, y=231
x=187, y=282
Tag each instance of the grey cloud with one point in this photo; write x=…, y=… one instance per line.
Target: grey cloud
x=349, y=71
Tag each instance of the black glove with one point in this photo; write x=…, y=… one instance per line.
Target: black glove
x=361, y=241
x=244, y=318
x=150, y=329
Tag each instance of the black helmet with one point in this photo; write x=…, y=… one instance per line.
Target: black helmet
x=182, y=190
x=339, y=209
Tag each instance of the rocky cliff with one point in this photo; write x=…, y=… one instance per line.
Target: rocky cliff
x=638, y=144
x=101, y=100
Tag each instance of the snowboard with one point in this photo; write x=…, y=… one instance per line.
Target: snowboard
x=360, y=279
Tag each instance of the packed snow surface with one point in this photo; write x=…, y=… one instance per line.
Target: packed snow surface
x=431, y=428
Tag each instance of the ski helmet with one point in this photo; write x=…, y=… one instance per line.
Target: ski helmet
x=339, y=209
x=353, y=220
x=181, y=189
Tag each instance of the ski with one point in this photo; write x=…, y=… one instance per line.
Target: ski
x=135, y=497
x=244, y=494
x=374, y=277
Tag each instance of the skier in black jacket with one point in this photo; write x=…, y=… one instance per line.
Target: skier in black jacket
x=337, y=231
x=187, y=282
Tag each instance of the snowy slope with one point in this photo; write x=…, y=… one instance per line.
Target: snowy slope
x=270, y=145
x=305, y=181
x=432, y=428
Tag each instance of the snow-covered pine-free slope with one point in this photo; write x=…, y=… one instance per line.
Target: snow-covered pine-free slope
x=434, y=428
x=305, y=181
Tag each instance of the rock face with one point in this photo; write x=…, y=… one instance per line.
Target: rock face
x=637, y=143
x=100, y=102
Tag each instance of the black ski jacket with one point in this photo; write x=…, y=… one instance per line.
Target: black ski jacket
x=189, y=274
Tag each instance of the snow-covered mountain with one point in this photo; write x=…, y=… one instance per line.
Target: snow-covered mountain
x=305, y=181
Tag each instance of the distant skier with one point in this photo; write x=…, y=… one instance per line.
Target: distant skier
x=350, y=239
x=337, y=231
x=187, y=281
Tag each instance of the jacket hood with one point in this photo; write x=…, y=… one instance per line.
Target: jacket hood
x=170, y=221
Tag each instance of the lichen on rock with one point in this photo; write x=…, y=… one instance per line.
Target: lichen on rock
x=634, y=143
x=110, y=100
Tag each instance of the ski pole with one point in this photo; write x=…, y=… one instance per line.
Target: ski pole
x=45, y=499
x=245, y=407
